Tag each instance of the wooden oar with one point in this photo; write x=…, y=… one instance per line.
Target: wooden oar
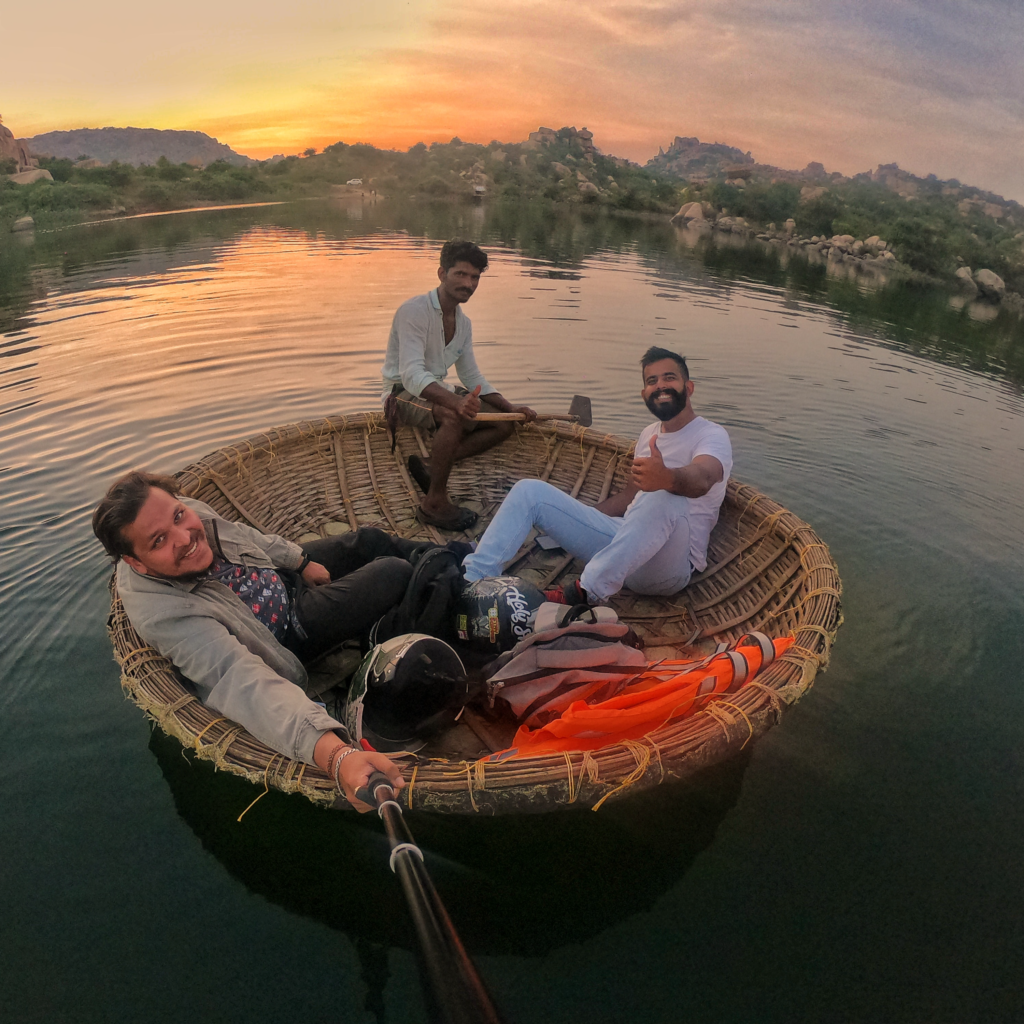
x=457, y=994
x=579, y=412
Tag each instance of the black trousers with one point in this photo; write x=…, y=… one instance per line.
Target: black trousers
x=369, y=573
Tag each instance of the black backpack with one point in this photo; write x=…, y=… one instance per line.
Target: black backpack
x=429, y=602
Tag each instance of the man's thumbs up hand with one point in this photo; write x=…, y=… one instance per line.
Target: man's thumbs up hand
x=651, y=474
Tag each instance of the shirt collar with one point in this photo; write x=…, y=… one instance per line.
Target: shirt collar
x=434, y=300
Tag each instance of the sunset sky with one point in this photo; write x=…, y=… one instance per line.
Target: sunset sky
x=935, y=85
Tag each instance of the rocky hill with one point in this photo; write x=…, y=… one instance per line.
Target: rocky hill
x=135, y=146
x=691, y=158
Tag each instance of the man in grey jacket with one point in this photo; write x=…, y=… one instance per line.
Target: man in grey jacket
x=237, y=611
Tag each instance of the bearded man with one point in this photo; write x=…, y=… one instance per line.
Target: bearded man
x=654, y=533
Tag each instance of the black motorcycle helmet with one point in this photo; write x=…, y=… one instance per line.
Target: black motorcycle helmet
x=495, y=613
x=406, y=690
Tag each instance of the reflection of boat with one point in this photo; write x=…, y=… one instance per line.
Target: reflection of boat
x=767, y=570
x=635, y=853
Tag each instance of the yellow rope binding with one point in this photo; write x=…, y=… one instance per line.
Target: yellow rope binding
x=266, y=788
x=745, y=719
x=206, y=729
x=642, y=754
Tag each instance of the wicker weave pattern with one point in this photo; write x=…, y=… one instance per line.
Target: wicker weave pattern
x=767, y=570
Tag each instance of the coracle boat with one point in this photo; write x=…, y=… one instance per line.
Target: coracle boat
x=767, y=571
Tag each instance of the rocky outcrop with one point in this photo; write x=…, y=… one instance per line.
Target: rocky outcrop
x=16, y=150
x=30, y=177
x=990, y=284
x=690, y=158
x=546, y=136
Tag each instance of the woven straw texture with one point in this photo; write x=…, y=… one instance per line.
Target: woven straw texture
x=767, y=570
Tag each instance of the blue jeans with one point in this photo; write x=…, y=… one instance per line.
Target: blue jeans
x=647, y=550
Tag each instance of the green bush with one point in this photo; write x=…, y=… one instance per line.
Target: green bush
x=818, y=217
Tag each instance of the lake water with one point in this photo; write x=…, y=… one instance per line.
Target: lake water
x=861, y=863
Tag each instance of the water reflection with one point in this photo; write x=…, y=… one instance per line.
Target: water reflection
x=521, y=885
x=920, y=317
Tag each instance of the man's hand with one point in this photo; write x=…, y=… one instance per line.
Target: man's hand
x=469, y=405
x=355, y=772
x=529, y=413
x=316, y=575
x=652, y=474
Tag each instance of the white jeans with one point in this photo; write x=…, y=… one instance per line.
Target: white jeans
x=647, y=550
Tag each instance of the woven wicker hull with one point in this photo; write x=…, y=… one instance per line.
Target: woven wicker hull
x=767, y=570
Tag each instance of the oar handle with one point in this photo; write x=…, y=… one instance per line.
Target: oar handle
x=495, y=417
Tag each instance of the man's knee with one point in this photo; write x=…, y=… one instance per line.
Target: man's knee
x=529, y=490
x=504, y=429
x=392, y=575
x=659, y=505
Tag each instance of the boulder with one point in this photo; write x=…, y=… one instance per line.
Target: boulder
x=858, y=248
x=790, y=226
x=561, y=170
x=966, y=281
x=811, y=192
x=888, y=256
x=588, y=188
x=25, y=223
x=29, y=177
x=990, y=284
x=688, y=212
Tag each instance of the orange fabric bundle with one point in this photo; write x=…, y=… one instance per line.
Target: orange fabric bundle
x=666, y=690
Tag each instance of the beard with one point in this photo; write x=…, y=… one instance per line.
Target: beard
x=666, y=410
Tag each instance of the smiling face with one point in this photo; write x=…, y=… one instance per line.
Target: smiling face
x=666, y=389
x=459, y=282
x=168, y=538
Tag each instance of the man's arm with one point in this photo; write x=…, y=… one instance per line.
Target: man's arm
x=617, y=504
x=241, y=686
x=692, y=481
x=413, y=324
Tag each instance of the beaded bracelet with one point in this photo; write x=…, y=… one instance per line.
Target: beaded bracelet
x=334, y=753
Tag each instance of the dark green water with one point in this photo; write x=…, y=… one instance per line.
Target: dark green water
x=861, y=863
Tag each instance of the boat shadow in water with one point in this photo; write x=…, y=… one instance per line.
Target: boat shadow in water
x=513, y=884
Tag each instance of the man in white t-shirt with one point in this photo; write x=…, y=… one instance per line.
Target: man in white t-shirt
x=654, y=533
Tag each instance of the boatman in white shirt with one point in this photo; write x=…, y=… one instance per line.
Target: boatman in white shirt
x=430, y=334
x=654, y=533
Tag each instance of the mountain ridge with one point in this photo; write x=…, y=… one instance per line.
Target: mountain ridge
x=135, y=146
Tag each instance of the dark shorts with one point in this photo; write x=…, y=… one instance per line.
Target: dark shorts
x=419, y=412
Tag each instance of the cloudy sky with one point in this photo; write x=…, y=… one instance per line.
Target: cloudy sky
x=935, y=85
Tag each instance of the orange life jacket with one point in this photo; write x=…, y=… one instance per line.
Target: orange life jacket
x=664, y=691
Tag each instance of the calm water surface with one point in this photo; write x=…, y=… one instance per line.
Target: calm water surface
x=861, y=863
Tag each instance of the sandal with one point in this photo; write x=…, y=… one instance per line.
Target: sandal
x=419, y=472
x=462, y=520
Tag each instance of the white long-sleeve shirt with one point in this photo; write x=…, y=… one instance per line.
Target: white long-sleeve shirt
x=417, y=354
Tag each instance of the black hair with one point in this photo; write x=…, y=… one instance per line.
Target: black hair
x=655, y=354
x=458, y=251
x=121, y=505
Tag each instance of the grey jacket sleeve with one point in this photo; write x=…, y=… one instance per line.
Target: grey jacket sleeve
x=231, y=679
